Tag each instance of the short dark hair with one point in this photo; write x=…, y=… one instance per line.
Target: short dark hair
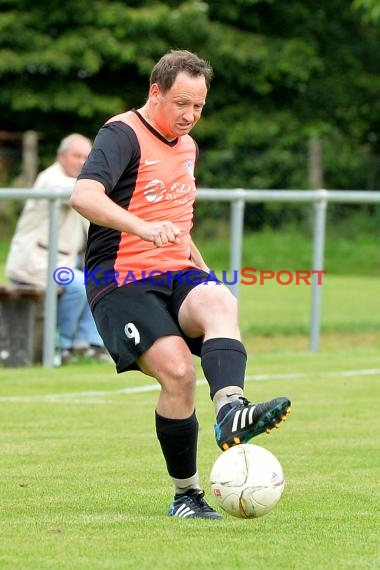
x=165, y=72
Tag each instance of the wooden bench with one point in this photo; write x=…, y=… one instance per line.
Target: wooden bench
x=21, y=325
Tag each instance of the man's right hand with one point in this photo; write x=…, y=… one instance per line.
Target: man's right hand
x=160, y=233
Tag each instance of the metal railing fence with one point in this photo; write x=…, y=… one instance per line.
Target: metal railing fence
x=238, y=198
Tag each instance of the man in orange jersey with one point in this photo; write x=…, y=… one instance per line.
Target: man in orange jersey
x=153, y=300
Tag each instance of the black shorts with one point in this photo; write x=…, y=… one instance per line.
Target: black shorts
x=132, y=317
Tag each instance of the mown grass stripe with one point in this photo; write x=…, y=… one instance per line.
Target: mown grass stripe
x=91, y=397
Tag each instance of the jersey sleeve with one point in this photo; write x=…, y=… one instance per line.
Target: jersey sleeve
x=114, y=148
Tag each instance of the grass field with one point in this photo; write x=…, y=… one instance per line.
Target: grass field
x=349, y=305
x=82, y=480
x=83, y=485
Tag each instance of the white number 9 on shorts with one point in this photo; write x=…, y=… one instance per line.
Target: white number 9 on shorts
x=132, y=332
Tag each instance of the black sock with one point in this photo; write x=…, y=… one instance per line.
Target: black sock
x=178, y=440
x=223, y=362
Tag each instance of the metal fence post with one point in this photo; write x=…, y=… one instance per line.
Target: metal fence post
x=237, y=229
x=320, y=208
x=50, y=317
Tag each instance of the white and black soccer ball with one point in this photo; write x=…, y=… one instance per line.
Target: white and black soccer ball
x=247, y=481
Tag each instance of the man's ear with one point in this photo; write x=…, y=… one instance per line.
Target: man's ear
x=154, y=91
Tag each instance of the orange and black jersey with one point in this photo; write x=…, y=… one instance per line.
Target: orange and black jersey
x=151, y=178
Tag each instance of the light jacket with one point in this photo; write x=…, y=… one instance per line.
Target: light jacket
x=28, y=255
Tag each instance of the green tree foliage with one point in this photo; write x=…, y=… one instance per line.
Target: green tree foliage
x=284, y=71
x=370, y=10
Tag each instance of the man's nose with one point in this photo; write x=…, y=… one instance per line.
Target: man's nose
x=189, y=116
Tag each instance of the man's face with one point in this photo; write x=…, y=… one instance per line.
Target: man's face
x=176, y=111
x=74, y=157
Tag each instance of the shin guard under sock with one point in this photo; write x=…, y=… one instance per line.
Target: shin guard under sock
x=178, y=440
x=223, y=362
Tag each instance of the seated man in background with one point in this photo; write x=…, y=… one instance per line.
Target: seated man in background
x=27, y=261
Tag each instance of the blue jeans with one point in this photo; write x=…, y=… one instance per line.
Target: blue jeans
x=75, y=322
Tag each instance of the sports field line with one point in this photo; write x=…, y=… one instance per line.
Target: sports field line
x=95, y=396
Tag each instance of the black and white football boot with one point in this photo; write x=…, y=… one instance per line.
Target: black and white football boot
x=245, y=420
x=192, y=505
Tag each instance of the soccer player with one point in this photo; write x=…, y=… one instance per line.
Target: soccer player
x=153, y=299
